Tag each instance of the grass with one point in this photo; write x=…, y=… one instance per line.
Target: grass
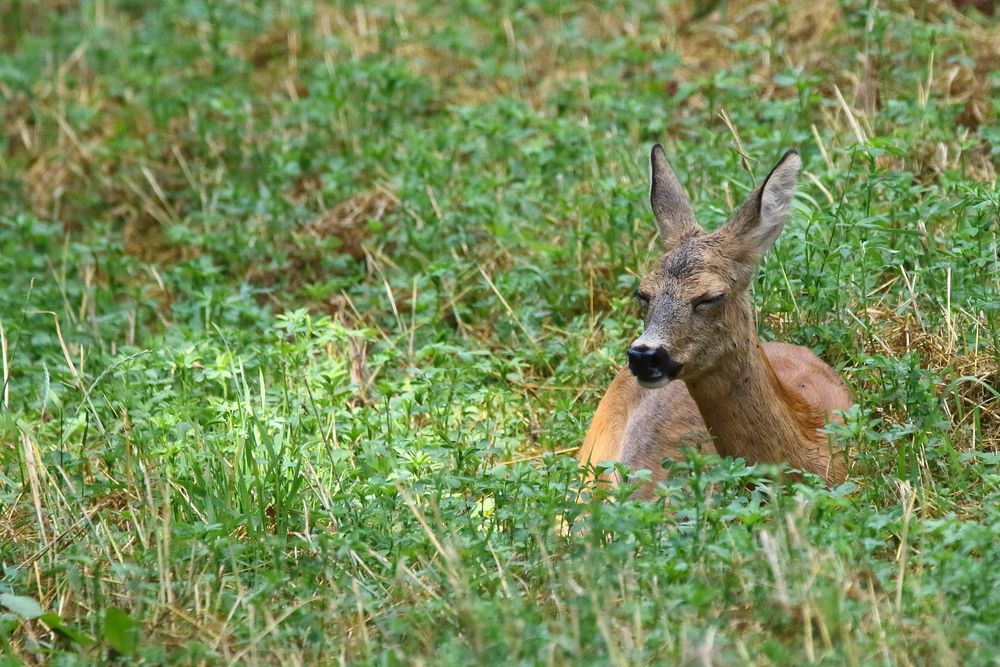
x=307, y=307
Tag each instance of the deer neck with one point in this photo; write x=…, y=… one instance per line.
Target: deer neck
x=749, y=412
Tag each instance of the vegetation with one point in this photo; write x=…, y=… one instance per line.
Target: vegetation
x=306, y=308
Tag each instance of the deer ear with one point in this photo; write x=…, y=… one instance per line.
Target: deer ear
x=760, y=219
x=674, y=219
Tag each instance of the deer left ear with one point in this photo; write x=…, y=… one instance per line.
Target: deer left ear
x=760, y=219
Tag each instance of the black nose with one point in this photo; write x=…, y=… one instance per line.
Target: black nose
x=651, y=364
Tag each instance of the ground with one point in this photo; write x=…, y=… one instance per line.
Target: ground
x=307, y=307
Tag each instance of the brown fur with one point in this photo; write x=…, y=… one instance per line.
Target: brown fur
x=660, y=423
x=734, y=396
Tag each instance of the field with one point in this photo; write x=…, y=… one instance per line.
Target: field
x=307, y=307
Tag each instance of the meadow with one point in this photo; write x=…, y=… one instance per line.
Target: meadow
x=306, y=308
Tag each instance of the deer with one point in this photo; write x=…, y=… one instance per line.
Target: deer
x=699, y=375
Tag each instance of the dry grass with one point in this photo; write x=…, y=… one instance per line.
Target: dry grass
x=350, y=222
x=972, y=370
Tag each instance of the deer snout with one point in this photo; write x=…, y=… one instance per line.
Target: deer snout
x=652, y=366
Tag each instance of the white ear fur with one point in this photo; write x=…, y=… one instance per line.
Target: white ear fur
x=775, y=204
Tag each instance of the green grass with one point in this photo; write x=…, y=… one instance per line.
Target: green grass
x=306, y=309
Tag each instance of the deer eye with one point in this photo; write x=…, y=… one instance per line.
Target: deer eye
x=641, y=297
x=705, y=302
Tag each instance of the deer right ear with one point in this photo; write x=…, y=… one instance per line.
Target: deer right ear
x=758, y=221
x=674, y=220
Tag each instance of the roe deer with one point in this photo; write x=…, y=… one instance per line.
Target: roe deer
x=736, y=397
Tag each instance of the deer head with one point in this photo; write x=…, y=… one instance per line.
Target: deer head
x=697, y=307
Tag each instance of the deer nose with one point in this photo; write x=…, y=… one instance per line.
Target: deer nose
x=652, y=364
